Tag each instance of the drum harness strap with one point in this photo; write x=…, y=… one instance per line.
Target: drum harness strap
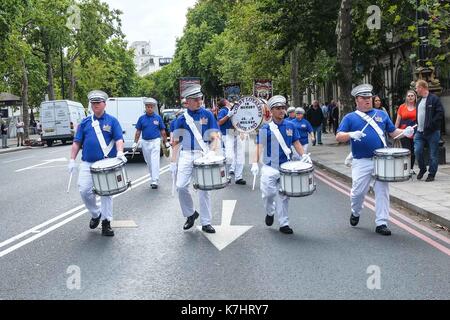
x=274, y=128
x=106, y=149
x=197, y=135
x=374, y=125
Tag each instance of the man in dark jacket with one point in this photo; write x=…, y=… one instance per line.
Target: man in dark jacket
x=315, y=116
x=430, y=114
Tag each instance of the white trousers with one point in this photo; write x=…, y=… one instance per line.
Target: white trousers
x=85, y=186
x=273, y=201
x=234, y=153
x=295, y=155
x=184, y=175
x=151, y=150
x=362, y=170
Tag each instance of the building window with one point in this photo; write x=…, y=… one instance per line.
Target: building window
x=143, y=51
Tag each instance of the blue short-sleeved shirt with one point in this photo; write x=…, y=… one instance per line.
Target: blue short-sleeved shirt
x=150, y=126
x=266, y=138
x=303, y=127
x=172, y=125
x=205, y=123
x=371, y=142
x=85, y=135
x=227, y=125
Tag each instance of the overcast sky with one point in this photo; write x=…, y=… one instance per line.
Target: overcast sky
x=157, y=21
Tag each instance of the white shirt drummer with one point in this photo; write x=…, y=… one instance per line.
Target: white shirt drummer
x=94, y=150
x=274, y=157
x=187, y=149
x=363, y=145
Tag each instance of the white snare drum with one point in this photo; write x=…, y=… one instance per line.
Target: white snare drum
x=392, y=164
x=109, y=177
x=210, y=173
x=248, y=114
x=297, y=179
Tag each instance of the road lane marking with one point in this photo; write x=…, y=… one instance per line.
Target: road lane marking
x=395, y=212
x=41, y=164
x=414, y=232
x=61, y=223
x=14, y=160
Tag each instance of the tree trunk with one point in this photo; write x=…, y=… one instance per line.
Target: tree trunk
x=295, y=93
x=344, y=57
x=24, y=109
x=72, y=83
x=48, y=61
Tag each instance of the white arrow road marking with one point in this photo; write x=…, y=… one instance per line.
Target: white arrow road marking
x=225, y=233
x=41, y=164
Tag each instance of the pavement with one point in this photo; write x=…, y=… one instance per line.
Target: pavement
x=428, y=199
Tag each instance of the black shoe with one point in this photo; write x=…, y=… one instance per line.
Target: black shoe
x=286, y=230
x=154, y=186
x=94, y=222
x=383, y=229
x=231, y=173
x=269, y=220
x=190, y=221
x=354, y=220
x=106, y=229
x=320, y=143
x=429, y=178
x=208, y=229
x=420, y=175
x=17, y=144
x=241, y=181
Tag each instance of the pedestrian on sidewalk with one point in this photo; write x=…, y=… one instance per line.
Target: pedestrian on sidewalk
x=99, y=136
x=152, y=128
x=363, y=145
x=4, y=133
x=407, y=116
x=430, y=114
x=335, y=116
x=20, y=131
x=324, y=108
x=275, y=154
x=315, y=116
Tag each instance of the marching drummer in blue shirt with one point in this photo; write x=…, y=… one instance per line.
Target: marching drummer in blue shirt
x=152, y=128
x=365, y=139
x=275, y=154
x=204, y=123
x=108, y=143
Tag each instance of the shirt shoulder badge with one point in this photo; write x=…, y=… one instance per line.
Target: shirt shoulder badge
x=378, y=119
x=155, y=122
x=289, y=132
x=203, y=121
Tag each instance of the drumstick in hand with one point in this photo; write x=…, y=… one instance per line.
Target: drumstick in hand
x=254, y=181
x=401, y=134
x=70, y=181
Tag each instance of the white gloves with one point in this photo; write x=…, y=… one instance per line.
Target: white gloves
x=167, y=144
x=357, y=135
x=230, y=114
x=408, y=132
x=121, y=156
x=134, y=146
x=348, y=160
x=72, y=166
x=306, y=158
x=255, y=169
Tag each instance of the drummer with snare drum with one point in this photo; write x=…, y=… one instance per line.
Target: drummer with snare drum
x=366, y=128
x=100, y=137
x=275, y=139
x=196, y=135
x=233, y=144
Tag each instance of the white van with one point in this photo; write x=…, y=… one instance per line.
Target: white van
x=127, y=111
x=60, y=120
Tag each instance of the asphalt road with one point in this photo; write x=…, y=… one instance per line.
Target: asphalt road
x=325, y=258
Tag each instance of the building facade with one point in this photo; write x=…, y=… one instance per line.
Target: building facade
x=145, y=61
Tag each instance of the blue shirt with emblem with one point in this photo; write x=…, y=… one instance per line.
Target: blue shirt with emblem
x=204, y=121
x=303, y=128
x=368, y=144
x=273, y=154
x=150, y=126
x=227, y=125
x=87, y=137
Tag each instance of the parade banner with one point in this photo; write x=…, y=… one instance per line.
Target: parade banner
x=262, y=88
x=232, y=91
x=187, y=81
